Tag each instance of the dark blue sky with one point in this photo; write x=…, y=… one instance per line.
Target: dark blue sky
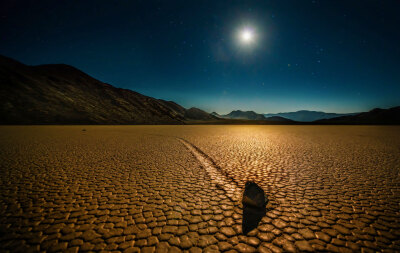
x=335, y=56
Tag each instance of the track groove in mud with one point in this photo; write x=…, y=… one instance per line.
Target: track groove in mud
x=226, y=183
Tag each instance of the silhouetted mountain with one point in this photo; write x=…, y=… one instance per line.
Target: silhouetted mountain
x=278, y=119
x=62, y=94
x=376, y=116
x=216, y=115
x=197, y=114
x=249, y=115
x=307, y=116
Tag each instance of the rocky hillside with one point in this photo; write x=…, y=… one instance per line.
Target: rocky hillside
x=62, y=94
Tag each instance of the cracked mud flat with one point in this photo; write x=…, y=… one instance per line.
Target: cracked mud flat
x=175, y=188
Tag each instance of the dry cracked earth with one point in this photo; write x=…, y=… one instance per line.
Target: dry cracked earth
x=178, y=188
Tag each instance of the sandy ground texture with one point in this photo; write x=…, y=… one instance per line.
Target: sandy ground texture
x=178, y=188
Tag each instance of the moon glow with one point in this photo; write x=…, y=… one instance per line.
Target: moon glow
x=247, y=36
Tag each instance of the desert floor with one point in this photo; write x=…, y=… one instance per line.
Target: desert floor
x=178, y=188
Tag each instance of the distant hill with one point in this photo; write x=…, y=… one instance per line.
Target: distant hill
x=247, y=115
x=197, y=114
x=376, y=116
x=251, y=115
x=278, y=119
x=307, y=116
x=62, y=94
x=216, y=115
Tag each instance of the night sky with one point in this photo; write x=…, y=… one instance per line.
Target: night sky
x=334, y=56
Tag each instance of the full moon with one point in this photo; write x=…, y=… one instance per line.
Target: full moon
x=246, y=36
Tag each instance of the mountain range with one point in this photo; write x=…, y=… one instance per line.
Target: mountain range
x=250, y=115
x=307, y=116
x=376, y=116
x=62, y=94
x=238, y=114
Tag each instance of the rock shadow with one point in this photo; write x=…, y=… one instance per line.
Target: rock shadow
x=254, y=206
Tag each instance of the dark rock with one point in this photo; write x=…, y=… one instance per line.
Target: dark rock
x=254, y=206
